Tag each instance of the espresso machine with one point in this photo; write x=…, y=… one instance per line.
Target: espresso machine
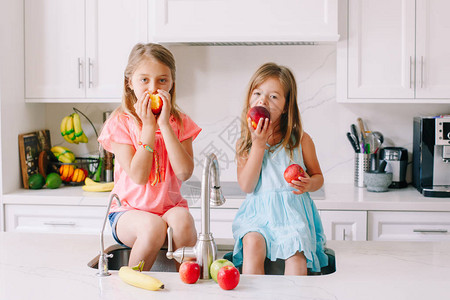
x=431, y=155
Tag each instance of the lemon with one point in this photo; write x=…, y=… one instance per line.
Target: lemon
x=53, y=181
x=36, y=181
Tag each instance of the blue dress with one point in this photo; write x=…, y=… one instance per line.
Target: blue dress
x=288, y=222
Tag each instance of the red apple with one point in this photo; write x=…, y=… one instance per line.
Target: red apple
x=156, y=103
x=189, y=272
x=217, y=265
x=257, y=112
x=228, y=277
x=293, y=172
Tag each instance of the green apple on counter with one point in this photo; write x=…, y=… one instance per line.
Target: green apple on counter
x=217, y=265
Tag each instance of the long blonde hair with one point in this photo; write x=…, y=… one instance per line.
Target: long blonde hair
x=138, y=54
x=290, y=125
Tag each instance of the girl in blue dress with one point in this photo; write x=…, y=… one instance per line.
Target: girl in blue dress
x=277, y=220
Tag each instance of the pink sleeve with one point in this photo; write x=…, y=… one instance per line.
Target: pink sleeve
x=115, y=130
x=190, y=129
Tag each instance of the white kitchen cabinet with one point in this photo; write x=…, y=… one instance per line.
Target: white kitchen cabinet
x=408, y=226
x=55, y=219
x=76, y=51
x=221, y=220
x=432, y=49
x=237, y=21
x=344, y=225
x=394, y=51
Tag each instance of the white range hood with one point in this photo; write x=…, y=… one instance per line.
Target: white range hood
x=243, y=22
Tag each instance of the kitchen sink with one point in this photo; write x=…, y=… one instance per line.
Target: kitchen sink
x=277, y=267
x=121, y=256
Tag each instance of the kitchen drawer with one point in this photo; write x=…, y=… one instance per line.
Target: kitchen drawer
x=55, y=219
x=409, y=226
x=221, y=220
x=344, y=225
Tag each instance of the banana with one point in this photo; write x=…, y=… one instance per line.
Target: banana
x=89, y=181
x=63, y=158
x=70, y=132
x=134, y=277
x=63, y=154
x=98, y=187
x=63, y=129
x=80, y=137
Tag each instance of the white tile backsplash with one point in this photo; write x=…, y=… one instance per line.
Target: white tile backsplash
x=211, y=83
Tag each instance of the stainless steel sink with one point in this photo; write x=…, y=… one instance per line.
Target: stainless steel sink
x=121, y=256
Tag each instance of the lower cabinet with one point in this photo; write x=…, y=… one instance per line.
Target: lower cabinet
x=55, y=219
x=344, y=225
x=337, y=224
x=221, y=220
x=408, y=226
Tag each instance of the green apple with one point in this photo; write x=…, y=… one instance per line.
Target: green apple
x=217, y=265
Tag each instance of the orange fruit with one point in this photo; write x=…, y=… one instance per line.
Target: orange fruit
x=78, y=175
x=66, y=172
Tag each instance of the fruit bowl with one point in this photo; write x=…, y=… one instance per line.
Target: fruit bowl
x=88, y=163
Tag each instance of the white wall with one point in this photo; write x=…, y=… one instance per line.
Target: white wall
x=16, y=116
x=211, y=83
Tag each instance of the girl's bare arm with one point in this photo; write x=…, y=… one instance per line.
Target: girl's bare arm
x=314, y=180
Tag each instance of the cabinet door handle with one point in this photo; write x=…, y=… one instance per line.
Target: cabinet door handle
x=56, y=223
x=343, y=234
x=80, y=73
x=91, y=65
x=421, y=72
x=431, y=230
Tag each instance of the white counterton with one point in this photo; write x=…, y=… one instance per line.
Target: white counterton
x=335, y=197
x=54, y=266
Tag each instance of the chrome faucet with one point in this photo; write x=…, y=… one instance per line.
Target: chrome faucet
x=103, y=259
x=205, y=250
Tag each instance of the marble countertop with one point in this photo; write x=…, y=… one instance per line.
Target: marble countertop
x=333, y=196
x=54, y=266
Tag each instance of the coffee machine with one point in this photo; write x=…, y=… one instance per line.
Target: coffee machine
x=431, y=155
x=397, y=162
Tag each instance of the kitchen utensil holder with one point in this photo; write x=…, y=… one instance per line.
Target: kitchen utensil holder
x=362, y=164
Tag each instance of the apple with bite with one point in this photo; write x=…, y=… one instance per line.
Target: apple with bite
x=189, y=272
x=257, y=112
x=228, y=277
x=156, y=103
x=217, y=265
x=293, y=172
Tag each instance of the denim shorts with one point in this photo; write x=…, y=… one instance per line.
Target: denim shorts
x=113, y=218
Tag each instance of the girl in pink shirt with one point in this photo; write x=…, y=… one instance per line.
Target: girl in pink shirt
x=153, y=155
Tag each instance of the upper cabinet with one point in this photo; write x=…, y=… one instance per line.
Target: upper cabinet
x=394, y=51
x=76, y=51
x=242, y=21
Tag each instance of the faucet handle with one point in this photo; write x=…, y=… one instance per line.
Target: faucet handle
x=169, y=253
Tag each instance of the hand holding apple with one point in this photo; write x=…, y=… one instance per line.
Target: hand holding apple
x=293, y=172
x=228, y=277
x=257, y=112
x=189, y=272
x=217, y=265
x=156, y=103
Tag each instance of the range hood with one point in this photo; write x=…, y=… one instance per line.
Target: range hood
x=243, y=22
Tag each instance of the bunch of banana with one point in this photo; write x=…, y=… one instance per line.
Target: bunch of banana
x=92, y=186
x=71, y=129
x=134, y=277
x=63, y=154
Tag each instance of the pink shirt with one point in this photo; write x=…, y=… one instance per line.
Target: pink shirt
x=157, y=199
